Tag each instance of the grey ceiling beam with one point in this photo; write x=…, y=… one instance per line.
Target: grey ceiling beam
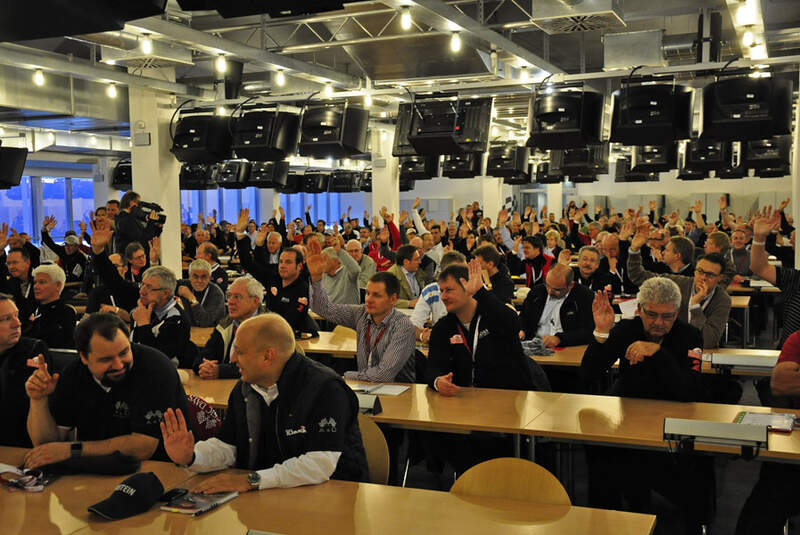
x=444, y=14
x=216, y=45
x=30, y=58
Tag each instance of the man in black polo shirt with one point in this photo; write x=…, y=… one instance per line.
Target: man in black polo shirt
x=492, y=262
x=290, y=420
x=115, y=396
x=15, y=368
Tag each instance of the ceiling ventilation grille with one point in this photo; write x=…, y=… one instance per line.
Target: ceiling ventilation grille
x=568, y=16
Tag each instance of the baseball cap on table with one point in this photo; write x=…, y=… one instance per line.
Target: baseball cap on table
x=133, y=496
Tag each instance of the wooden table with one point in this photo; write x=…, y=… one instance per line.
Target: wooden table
x=200, y=335
x=215, y=392
x=62, y=507
x=331, y=343
x=344, y=507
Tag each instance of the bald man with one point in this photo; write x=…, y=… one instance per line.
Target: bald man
x=559, y=311
x=290, y=421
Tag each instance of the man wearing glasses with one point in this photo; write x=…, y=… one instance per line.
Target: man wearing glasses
x=659, y=358
x=559, y=312
x=704, y=303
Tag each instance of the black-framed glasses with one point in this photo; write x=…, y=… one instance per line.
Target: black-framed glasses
x=655, y=315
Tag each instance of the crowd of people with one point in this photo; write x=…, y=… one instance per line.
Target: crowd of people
x=256, y=284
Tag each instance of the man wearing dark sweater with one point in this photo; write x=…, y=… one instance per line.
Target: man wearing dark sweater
x=290, y=420
x=492, y=262
x=53, y=320
x=660, y=358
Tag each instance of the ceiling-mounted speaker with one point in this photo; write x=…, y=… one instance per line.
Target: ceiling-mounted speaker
x=266, y=135
x=268, y=174
x=202, y=139
x=744, y=108
x=467, y=165
x=445, y=126
x=773, y=172
x=201, y=176
x=566, y=120
x=727, y=173
x=651, y=114
x=689, y=174
x=654, y=158
x=366, y=181
x=233, y=174
x=294, y=184
x=707, y=155
x=121, y=176
x=590, y=160
x=583, y=178
x=342, y=181
x=543, y=175
x=767, y=153
x=508, y=160
x=407, y=184
x=419, y=167
x=315, y=182
x=12, y=165
x=333, y=131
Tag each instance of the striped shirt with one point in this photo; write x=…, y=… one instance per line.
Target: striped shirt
x=788, y=280
x=391, y=344
x=429, y=307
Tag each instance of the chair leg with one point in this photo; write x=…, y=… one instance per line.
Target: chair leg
x=405, y=472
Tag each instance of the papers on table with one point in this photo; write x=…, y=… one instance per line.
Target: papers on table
x=757, y=283
x=628, y=308
x=379, y=389
x=781, y=421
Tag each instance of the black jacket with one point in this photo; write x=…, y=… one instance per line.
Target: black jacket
x=669, y=374
x=598, y=281
x=171, y=335
x=535, y=270
x=73, y=264
x=54, y=324
x=577, y=322
x=14, y=371
x=218, y=347
x=130, y=229
x=499, y=359
x=316, y=411
x=502, y=285
x=12, y=286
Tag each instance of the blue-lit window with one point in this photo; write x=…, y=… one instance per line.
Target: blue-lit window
x=82, y=200
x=54, y=194
x=190, y=206
x=16, y=206
x=251, y=199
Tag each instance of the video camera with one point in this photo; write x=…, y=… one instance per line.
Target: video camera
x=144, y=209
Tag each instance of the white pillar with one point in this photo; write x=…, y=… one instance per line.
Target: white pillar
x=101, y=182
x=796, y=181
x=555, y=199
x=385, y=175
x=492, y=196
x=155, y=169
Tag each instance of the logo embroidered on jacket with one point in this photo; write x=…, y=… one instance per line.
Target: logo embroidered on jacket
x=301, y=430
x=153, y=417
x=456, y=339
x=121, y=410
x=327, y=425
x=483, y=334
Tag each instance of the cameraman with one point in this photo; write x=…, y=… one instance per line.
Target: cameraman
x=133, y=224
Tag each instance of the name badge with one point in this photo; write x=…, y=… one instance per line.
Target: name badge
x=456, y=339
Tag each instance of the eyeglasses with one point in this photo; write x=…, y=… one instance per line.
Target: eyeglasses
x=237, y=297
x=706, y=274
x=148, y=288
x=556, y=291
x=655, y=315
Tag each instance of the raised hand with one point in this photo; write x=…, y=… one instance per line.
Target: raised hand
x=565, y=257
x=155, y=250
x=3, y=235
x=82, y=227
x=475, y=281
x=765, y=223
x=784, y=203
x=261, y=237
x=178, y=439
x=316, y=262
x=652, y=206
x=101, y=235
x=640, y=238
x=242, y=220
x=723, y=202
x=602, y=312
x=308, y=208
x=40, y=384
x=416, y=204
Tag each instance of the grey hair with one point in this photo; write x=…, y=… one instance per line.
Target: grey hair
x=254, y=288
x=164, y=275
x=589, y=249
x=659, y=291
x=53, y=271
x=200, y=265
x=353, y=241
x=276, y=234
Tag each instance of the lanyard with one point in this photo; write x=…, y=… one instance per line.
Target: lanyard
x=474, y=348
x=203, y=300
x=372, y=348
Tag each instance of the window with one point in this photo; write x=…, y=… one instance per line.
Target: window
x=190, y=206
x=251, y=199
x=82, y=200
x=54, y=192
x=16, y=206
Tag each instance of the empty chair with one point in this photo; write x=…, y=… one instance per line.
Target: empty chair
x=376, y=448
x=513, y=479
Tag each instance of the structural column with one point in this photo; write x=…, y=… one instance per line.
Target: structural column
x=385, y=175
x=796, y=178
x=555, y=199
x=155, y=169
x=492, y=196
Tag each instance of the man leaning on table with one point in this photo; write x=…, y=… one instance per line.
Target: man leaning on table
x=115, y=396
x=290, y=420
x=659, y=358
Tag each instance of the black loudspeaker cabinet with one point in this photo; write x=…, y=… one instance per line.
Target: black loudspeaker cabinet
x=582, y=178
x=589, y=160
x=467, y=165
x=566, y=120
x=419, y=167
x=366, y=182
x=202, y=139
x=743, y=109
x=266, y=135
x=654, y=158
x=315, y=182
x=651, y=114
x=199, y=176
x=543, y=175
x=276, y=8
x=443, y=127
x=122, y=176
x=508, y=161
x=12, y=165
x=407, y=184
x=773, y=172
x=333, y=131
x=294, y=184
x=707, y=155
x=342, y=181
x=729, y=173
x=233, y=174
x=766, y=153
x=689, y=174
x=268, y=174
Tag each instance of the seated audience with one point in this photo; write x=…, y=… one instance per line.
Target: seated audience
x=429, y=307
x=588, y=272
x=493, y=264
x=366, y=265
x=529, y=261
x=16, y=276
x=201, y=299
x=210, y=253
x=53, y=320
x=70, y=257
x=409, y=276
x=341, y=278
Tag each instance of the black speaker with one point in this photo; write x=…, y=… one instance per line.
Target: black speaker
x=566, y=120
x=729, y=172
x=333, y=131
x=582, y=178
x=202, y=139
x=543, y=175
x=315, y=182
x=407, y=184
x=654, y=158
x=366, y=181
x=707, y=155
x=199, y=176
x=419, y=167
x=743, y=109
x=508, y=161
x=266, y=135
x=122, y=176
x=446, y=126
x=590, y=160
x=268, y=174
x=651, y=114
x=344, y=181
x=294, y=184
x=233, y=174
x=276, y=8
x=38, y=19
x=467, y=165
x=12, y=165
x=766, y=153
x=779, y=171
x=689, y=174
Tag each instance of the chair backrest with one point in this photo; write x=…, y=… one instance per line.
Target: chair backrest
x=203, y=419
x=513, y=479
x=62, y=358
x=376, y=448
x=341, y=330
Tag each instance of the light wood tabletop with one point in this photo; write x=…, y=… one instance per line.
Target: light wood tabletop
x=62, y=507
x=343, y=507
x=200, y=335
x=740, y=301
x=215, y=392
x=335, y=344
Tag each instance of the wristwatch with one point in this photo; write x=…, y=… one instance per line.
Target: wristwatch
x=254, y=478
x=75, y=450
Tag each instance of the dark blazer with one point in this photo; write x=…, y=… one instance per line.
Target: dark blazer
x=577, y=321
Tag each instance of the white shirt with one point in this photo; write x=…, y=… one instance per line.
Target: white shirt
x=550, y=321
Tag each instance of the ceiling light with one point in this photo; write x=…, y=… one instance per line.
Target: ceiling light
x=405, y=18
x=383, y=115
x=455, y=42
x=746, y=14
x=221, y=64
x=495, y=131
x=280, y=79
x=367, y=100
x=222, y=111
x=110, y=61
x=2, y=131
x=146, y=44
x=748, y=39
x=51, y=137
x=548, y=90
x=93, y=140
x=494, y=113
x=111, y=91
x=383, y=134
x=524, y=75
x=758, y=52
x=328, y=90
x=38, y=77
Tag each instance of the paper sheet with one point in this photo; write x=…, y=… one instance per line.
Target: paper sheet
x=628, y=308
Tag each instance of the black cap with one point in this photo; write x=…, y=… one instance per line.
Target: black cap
x=133, y=496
